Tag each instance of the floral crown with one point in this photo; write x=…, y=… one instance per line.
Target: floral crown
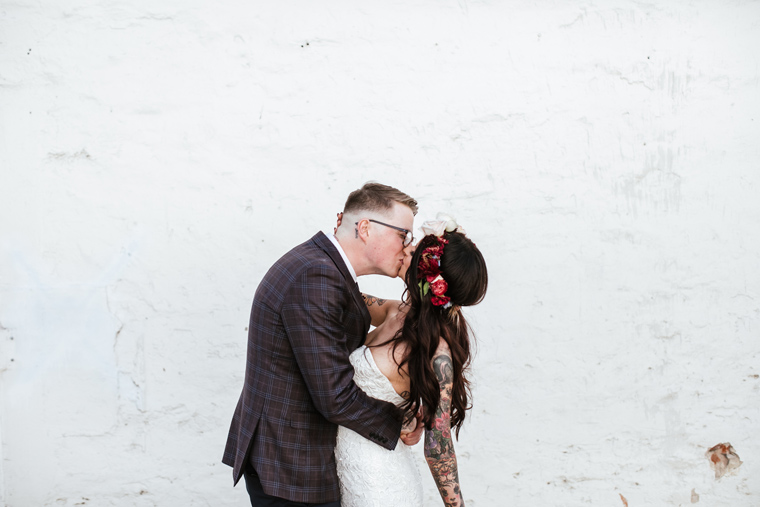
x=429, y=267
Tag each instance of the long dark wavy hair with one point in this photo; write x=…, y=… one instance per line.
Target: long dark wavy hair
x=464, y=269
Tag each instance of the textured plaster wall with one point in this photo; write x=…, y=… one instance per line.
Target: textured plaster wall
x=157, y=157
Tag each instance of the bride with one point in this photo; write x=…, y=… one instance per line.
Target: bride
x=417, y=357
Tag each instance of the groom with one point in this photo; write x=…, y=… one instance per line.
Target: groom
x=307, y=317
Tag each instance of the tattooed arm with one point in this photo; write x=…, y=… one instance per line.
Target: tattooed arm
x=439, y=448
x=378, y=308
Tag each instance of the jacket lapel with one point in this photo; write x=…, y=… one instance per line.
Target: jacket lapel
x=325, y=244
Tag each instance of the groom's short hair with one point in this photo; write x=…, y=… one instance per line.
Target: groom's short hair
x=377, y=197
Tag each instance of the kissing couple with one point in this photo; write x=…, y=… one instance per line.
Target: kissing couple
x=328, y=412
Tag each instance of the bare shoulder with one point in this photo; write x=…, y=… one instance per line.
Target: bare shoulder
x=442, y=364
x=443, y=348
x=380, y=309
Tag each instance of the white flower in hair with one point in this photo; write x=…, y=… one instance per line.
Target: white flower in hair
x=442, y=223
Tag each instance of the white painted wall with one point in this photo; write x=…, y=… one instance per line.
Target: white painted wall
x=157, y=157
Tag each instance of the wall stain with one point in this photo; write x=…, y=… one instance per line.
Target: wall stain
x=723, y=459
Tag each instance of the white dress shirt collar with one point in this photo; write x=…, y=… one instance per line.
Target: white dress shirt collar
x=342, y=254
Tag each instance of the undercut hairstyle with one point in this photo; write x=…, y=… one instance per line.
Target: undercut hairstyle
x=377, y=197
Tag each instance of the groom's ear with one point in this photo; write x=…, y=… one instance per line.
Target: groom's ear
x=362, y=230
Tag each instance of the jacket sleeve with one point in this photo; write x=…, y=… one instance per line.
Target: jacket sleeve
x=313, y=316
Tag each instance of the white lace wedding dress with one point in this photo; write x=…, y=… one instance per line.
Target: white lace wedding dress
x=370, y=475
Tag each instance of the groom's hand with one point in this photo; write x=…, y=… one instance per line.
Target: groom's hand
x=413, y=437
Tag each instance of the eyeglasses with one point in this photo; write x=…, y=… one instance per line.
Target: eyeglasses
x=408, y=238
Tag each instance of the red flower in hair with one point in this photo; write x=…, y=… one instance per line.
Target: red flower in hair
x=429, y=271
x=438, y=285
x=440, y=300
x=428, y=264
x=430, y=260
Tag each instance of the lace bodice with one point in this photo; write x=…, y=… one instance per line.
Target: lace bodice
x=370, y=475
x=370, y=379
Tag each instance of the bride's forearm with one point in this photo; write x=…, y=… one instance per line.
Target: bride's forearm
x=439, y=448
x=442, y=461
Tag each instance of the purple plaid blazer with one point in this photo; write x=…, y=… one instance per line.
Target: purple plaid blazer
x=307, y=317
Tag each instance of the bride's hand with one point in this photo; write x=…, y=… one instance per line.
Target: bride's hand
x=340, y=221
x=413, y=437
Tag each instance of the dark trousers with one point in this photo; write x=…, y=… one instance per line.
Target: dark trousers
x=261, y=499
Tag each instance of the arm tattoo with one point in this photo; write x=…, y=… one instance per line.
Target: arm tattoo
x=371, y=300
x=439, y=448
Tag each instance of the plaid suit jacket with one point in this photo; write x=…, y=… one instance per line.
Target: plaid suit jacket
x=307, y=317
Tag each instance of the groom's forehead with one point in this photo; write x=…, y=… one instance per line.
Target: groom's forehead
x=404, y=213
